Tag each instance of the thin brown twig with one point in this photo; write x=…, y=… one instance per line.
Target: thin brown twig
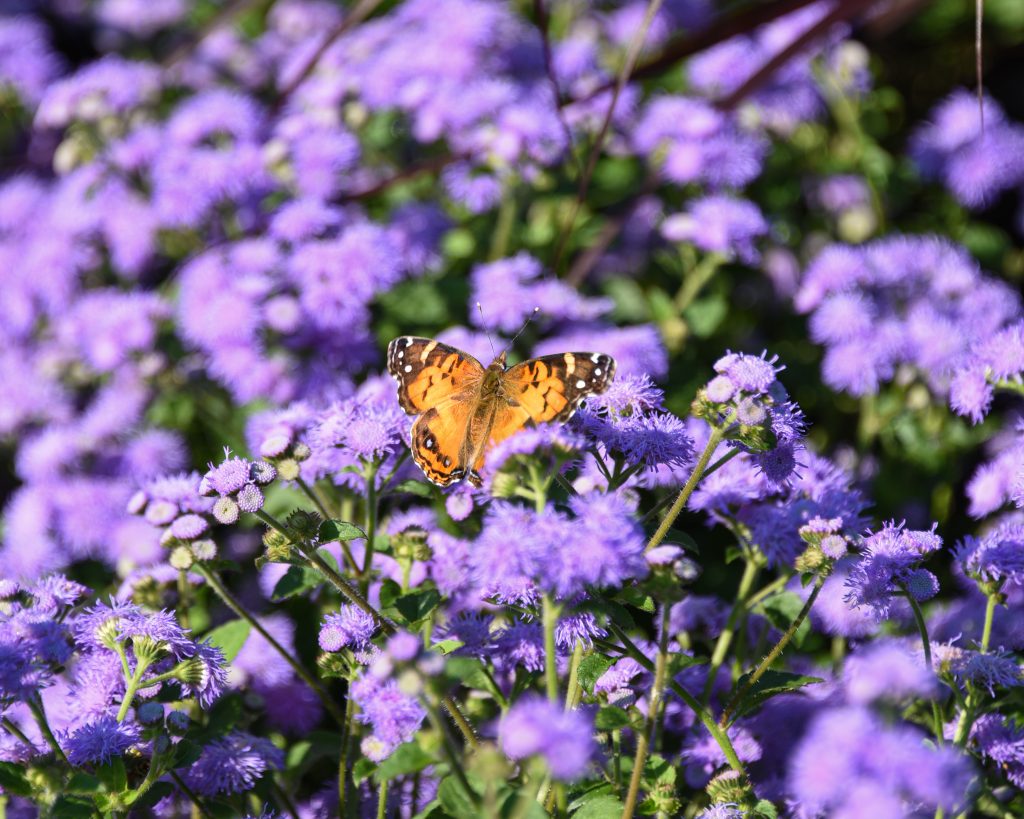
x=632, y=55
x=433, y=164
x=842, y=12
x=362, y=10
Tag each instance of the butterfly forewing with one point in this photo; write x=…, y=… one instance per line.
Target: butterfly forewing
x=550, y=388
x=429, y=373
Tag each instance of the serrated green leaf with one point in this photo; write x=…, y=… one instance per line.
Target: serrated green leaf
x=591, y=668
x=658, y=770
x=771, y=684
x=331, y=530
x=781, y=611
x=604, y=806
x=407, y=758
x=417, y=605
x=230, y=637
x=12, y=778
x=363, y=769
x=764, y=810
x=611, y=718
x=297, y=580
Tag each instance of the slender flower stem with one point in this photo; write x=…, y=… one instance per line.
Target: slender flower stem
x=371, y=527
x=236, y=606
x=449, y=748
x=767, y=591
x=774, y=654
x=131, y=686
x=15, y=731
x=574, y=691
x=645, y=738
x=461, y=722
x=990, y=611
x=717, y=733
x=751, y=569
x=967, y=716
x=346, y=734
x=191, y=794
x=926, y=644
x=382, y=800
x=314, y=496
x=35, y=705
x=684, y=494
x=699, y=276
x=549, y=613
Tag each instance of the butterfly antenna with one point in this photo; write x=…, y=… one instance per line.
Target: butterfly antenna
x=483, y=323
x=526, y=324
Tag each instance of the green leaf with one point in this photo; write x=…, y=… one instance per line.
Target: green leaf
x=12, y=778
x=331, y=530
x=113, y=775
x=455, y=800
x=591, y=793
x=781, y=611
x=658, y=770
x=418, y=488
x=297, y=580
x=390, y=591
x=448, y=646
x=230, y=637
x=638, y=599
x=362, y=770
x=771, y=684
x=73, y=807
x=763, y=810
x=316, y=745
x=604, y=806
x=407, y=758
x=591, y=668
x=80, y=782
x=611, y=718
x=417, y=605
x=185, y=753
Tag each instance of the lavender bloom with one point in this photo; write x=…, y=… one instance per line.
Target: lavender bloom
x=975, y=166
x=701, y=756
x=27, y=61
x=887, y=671
x=536, y=727
x=998, y=480
x=519, y=644
x=991, y=359
x=891, y=565
x=719, y=224
x=849, y=763
x=1000, y=741
x=109, y=87
x=350, y=626
x=141, y=19
x=204, y=674
x=233, y=764
x=393, y=716
x=990, y=670
x=100, y=741
x=996, y=558
x=510, y=289
x=918, y=301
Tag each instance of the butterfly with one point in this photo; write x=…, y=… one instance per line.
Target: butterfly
x=464, y=408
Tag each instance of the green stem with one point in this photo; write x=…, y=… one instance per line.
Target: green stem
x=449, y=749
x=236, y=606
x=131, y=687
x=699, y=276
x=774, y=654
x=371, y=527
x=751, y=569
x=341, y=584
x=574, y=691
x=990, y=612
x=505, y=222
x=645, y=739
x=35, y=705
x=382, y=800
x=717, y=733
x=549, y=614
x=191, y=794
x=15, y=731
x=922, y=628
x=346, y=733
x=767, y=591
x=350, y=561
x=967, y=716
x=684, y=494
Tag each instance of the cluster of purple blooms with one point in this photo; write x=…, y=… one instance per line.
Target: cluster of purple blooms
x=211, y=246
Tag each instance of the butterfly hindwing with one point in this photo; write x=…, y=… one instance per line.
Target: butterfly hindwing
x=430, y=373
x=437, y=441
x=551, y=387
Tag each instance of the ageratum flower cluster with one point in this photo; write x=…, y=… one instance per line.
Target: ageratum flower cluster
x=784, y=584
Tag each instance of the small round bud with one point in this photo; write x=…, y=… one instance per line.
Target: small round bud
x=181, y=558
x=301, y=452
x=225, y=510
x=288, y=469
x=150, y=713
x=137, y=503
x=204, y=549
x=178, y=722
x=263, y=473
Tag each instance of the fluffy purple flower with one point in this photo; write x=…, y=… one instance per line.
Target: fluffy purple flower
x=350, y=626
x=997, y=557
x=204, y=675
x=993, y=358
x=989, y=670
x=1000, y=741
x=719, y=224
x=233, y=764
x=536, y=727
x=27, y=61
x=519, y=644
x=887, y=671
x=891, y=565
x=394, y=717
x=849, y=763
x=100, y=741
x=701, y=755
x=111, y=86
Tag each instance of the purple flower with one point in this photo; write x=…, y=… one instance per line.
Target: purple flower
x=997, y=557
x=393, y=716
x=233, y=764
x=701, y=755
x=1000, y=741
x=100, y=741
x=508, y=290
x=536, y=727
x=140, y=18
x=519, y=643
x=887, y=671
x=988, y=670
x=891, y=565
x=107, y=87
x=27, y=61
x=204, y=674
x=849, y=763
x=719, y=224
x=993, y=358
x=350, y=626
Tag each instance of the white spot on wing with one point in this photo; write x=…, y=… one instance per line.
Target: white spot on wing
x=597, y=370
x=581, y=384
x=408, y=368
x=595, y=357
x=401, y=354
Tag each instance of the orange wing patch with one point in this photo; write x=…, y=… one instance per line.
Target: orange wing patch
x=430, y=373
x=437, y=441
x=550, y=388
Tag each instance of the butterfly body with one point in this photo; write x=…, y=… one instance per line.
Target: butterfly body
x=464, y=408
